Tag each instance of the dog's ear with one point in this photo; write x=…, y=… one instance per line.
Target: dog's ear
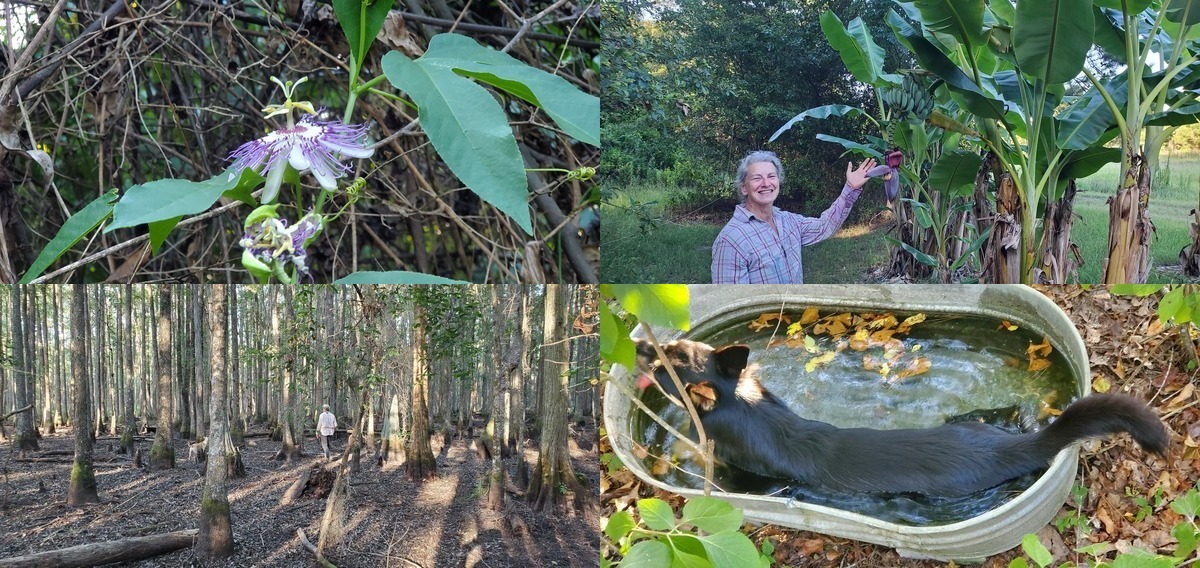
x=703, y=395
x=731, y=360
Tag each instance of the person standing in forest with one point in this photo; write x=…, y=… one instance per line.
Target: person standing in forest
x=326, y=424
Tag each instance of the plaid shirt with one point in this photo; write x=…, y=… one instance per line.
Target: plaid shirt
x=748, y=252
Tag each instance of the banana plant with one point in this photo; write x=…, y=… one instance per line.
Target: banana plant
x=930, y=213
x=1007, y=65
x=1162, y=71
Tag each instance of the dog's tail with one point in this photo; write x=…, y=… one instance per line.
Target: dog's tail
x=1101, y=414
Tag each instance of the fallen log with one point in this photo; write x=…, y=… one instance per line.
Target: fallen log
x=95, y=554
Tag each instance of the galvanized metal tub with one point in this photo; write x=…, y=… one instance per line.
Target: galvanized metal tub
x=974, y=539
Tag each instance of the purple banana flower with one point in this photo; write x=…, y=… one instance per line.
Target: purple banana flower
x=890, y=172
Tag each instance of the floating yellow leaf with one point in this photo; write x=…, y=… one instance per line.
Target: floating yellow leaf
x=1007, y=325
x=884, y=369
x=810, y=315
x=810, y=344
x=914, y=367
x=1043, y=349
x=1038, y=363
x=883, y=335
x=819, y=361
x=916, y=347
x=911, y=321
x=835, y=328
x=795, y=328
x=764, y=321
x=887, y=321
x=858, y=341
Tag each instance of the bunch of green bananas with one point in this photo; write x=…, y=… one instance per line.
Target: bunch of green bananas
x=910, y=97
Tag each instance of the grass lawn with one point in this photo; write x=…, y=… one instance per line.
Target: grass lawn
x=1173, y=197
x=680, y=251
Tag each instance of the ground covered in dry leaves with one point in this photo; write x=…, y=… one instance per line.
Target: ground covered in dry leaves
x=1127, y=490
x=391, y=521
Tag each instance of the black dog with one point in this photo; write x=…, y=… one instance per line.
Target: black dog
x=756, y=432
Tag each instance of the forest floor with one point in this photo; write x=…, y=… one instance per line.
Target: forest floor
x=441, y=522
x=1128, y=491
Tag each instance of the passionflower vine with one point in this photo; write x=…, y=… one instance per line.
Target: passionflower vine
x=271, y=245
x=307, y=146
x=889, y=170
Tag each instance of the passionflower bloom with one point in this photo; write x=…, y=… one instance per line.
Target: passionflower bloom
x=307, y=146
x=271, y=245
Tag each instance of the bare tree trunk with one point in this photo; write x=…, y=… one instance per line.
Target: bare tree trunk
x=554, y=463
x=127, y=436
x=290, y=450
x=518, y=386
x=237, y=428
x=1003, y=249
x=420, y=463
x=83, y=476
x=216, y=528
x=494, y=435
x=25, y=438
x=1057, y=251
x=49, y=379
x=162, y=454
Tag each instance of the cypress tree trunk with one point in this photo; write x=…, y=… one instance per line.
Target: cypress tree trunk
x=420, y=463
x=162, y=454
x=216, y=528
x=83, y=476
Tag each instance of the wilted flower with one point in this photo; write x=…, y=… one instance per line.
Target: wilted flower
x=270, y=244
x=307, y=146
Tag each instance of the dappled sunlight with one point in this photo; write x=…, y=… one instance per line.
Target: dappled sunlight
x=853, y=231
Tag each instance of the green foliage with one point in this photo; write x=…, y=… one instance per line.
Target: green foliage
x=1186, y=533
x=469, y=128
x=80, y=224
x=656, y=304
x=706, y=535
x=361, y=20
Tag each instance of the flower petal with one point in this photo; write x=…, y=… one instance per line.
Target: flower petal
x=274, y=180
x=298, y=159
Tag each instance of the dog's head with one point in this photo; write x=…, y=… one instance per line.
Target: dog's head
x=707, y=373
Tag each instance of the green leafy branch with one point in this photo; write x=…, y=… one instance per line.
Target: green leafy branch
x=707, y=534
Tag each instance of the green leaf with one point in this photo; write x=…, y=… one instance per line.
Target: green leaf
x=862, y=149
x=394, y=277
x=469, y=130
x=1018, y=562
x=730, y=549
x=1171, y=306
x=615, y=345
x=1086, y=120
x=918, y=255
x=977, y=101
x=689, y=552
x=954, y=170
x=961, y=19
x=350, y=16
x=972, y=249
x=859, y=52
x=1186, y=536
x=1188, y=504
x=656, y=513
x=1051, y=38
x=159, y=230
x=1140, y=290
x=1034, y=547
x=1186, y=12
x=81, y=223
x=821, y=112
x=1109, y=37
x=170, y=198
x=1078, y=164
x=712, y=515
x=663, y=305
x=619, y=525
x=573, y=110
x=1137, y=558
x=647, y=554
x=1189, y=114
x=1134, y=6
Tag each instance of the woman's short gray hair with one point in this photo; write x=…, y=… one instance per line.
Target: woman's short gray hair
x=754, y=158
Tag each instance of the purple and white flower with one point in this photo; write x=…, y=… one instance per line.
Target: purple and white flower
x=270, y=245
x=307, y=146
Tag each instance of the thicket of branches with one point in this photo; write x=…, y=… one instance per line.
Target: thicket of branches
x=121, y=93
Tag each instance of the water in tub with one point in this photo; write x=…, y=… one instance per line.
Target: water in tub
x=881, y=371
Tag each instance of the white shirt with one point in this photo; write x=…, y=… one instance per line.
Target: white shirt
x=326, y=423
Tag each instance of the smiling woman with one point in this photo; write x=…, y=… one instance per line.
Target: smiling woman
x=762, y=243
